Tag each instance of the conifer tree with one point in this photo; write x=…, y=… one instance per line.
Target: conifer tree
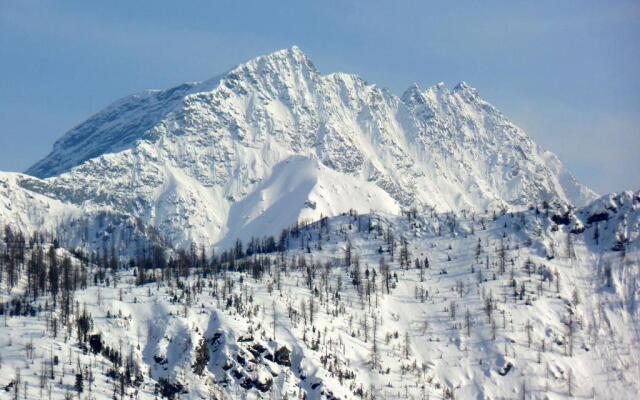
x=202, y=357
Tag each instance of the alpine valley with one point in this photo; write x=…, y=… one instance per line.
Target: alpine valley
x=274, y=232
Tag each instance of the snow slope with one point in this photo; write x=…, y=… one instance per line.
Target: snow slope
x=504, y=340
x=75, y=226
x=193, y=161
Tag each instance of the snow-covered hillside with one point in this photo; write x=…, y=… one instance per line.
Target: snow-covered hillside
x=531, y=304
x=194, y=161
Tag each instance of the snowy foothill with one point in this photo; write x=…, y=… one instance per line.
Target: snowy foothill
x=451, y=305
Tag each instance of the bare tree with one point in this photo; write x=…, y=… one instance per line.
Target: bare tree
x=275, y=316
x=374, y=346
x=528, y=328
x=407, y=346
x=467, y=322
x=452, y=310
x=571, y=254
x=502, y=257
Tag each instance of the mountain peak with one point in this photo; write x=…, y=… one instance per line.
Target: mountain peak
x=412, y=95
x=293, y=52
x=465, y=88
x=415, y=95
x=291, y=58
x=296, y=51
x=120, y=125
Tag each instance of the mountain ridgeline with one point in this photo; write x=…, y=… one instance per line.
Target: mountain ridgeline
x=274, y=141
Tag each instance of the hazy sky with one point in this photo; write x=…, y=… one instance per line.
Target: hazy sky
x=565, y=71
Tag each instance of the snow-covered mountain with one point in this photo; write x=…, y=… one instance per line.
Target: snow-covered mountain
x=273, y=141
x=420, y=246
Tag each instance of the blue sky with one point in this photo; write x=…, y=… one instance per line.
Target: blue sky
x=565, y=71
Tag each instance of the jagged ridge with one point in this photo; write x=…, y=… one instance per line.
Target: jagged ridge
x=184, y=159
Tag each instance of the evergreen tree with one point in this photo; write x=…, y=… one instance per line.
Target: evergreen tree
x=79, y=385
x=202, y=357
